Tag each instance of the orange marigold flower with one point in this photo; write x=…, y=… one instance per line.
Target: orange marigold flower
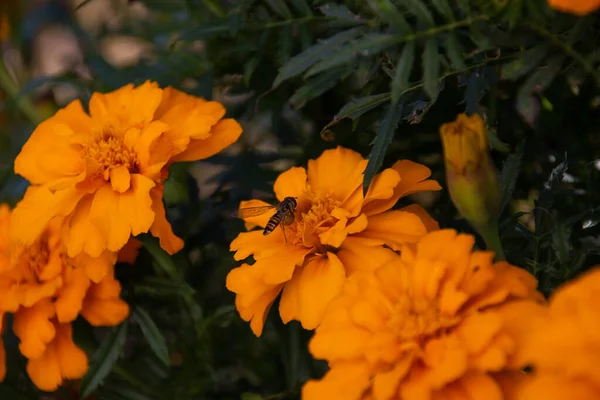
x=2, y=350
x=336, y=232
x=46, y=290
x=560, y=342
x=423, y=326
x=577, y=7
x=104, y=171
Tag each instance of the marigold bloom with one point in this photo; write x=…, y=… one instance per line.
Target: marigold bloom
x=104, y=171
x=336, y=232
x=46, y=290
x=423, y=326
x=560, y=342
x=577, y=7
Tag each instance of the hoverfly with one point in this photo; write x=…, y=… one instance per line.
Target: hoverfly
x=284, y=214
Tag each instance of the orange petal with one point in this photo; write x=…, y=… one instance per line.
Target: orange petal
x=258, y=310
x=289, y=304
x=445, y=361
x=385, y=385
x=2, y=350
x=126, y=106
x=33, y=327
x=356, y=255
x=38, y=207
x=322, y=279
x=576, y=7
x=223, y=134
x=280, y=267
x=120, y=179
x=430, y=223
x=337, y=171
x=290, y=183
x=394, y=228
x=413, y=179
x=69, y=298
x=102, y=305
x=129, y=253
x=118, y=216
x=382, y=188
x=257, y=244
x=62, y=360
x=347, y=381
x=161, y=228
x=81, y=234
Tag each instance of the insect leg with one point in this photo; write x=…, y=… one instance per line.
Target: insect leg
x=284, y=237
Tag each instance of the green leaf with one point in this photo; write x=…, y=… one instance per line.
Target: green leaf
x=318, y=85
x=339, y=11
x=509, y=175
x=403, y=69
x=384, y=137
x=560, y=240
x=104, y=359
x=152, y=335
x=162, y=258
x=419, y=9
x=454, y=52
x=280, y=8
x=359, y=106
x=431, y=68
x=157, y=286
x=302, y=7
x=371, y=43
x=214, y=28
x=513, y=12
x=525, y=62
x=443, y=7
x=388, y=13
x=301, y=62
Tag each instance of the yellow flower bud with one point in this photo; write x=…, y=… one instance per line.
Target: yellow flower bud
x=470, y=174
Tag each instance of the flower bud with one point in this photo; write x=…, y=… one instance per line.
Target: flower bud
x=470, y=174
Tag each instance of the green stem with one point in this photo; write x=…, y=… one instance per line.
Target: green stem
x=491, y=237
x=12, y=90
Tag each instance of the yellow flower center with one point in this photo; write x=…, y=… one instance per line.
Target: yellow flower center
x=108, y=152
x=315, y=219
x=418, y=319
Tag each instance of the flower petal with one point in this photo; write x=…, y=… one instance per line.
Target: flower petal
x=69, y=299
x=345, y=381
x=120, y=179
x=102, y=305
x=413, y=179
x=161, y=228
x=337, y=171
x=321, y=280
x=32, y=214
x=81, y=234
x=356, y=255
x=222, y=134
x=291, y=183
x=394, y=228
x=289, y=304
x=33, y=328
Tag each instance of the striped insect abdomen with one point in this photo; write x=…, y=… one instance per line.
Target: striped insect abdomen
x=273, y=222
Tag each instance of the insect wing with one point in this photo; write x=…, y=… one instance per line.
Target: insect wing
x=252, y=211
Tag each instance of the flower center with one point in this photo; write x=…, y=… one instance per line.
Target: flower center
x=417, y=320
x=316, y=219
x=108, y=152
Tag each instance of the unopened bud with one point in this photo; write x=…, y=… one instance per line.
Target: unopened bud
x=470, y=174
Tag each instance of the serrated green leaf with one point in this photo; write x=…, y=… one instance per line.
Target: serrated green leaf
x=525, y=62
x=384, y=137
x=513, y=12
x=454, y=52
x=339, y=11
x=371, y=43
x=509, y=175
x=301, y=62
x=359, y=106
x=388, y=13
x=431, y=68
x=284, y=44
x=152, y=334
x=420, y=10
x=317, y=85
x=443, y=7
x=162, y=258
x=403, y=69
x=302, y=7
x=560, y=240
x=207, y=30
x=280, y=8
x=104, y=359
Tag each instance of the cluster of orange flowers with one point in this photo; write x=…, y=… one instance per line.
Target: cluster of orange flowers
x=402, y=309
x=96, y=181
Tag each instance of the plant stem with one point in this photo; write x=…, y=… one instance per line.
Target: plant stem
x=492, y=240
x=12, y=90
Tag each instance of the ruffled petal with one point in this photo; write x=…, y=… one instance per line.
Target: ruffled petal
x=223, y=134
x=321, y=280
x=291, y=183
x=69, y=299
x=161, y=228
x=347, y=381
x=356, y=255
x=34, y=329
x=394, y=228
x=81, y=234
x=289, y=304
x=102, y=305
